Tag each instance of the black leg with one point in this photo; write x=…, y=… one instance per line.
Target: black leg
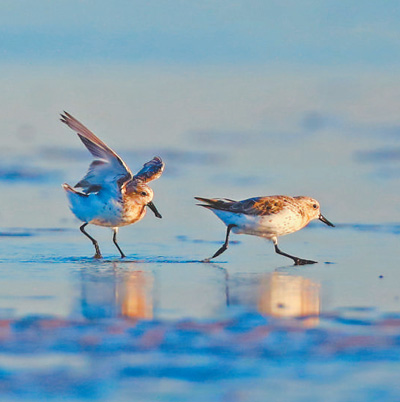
x=95, y=244
x=224, y=246
x=116, y=244
x=297, y=260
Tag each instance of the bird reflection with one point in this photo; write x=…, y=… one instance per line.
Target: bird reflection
x=117, y=291
x=130, y=290
x=284, y=295
x=135, y=295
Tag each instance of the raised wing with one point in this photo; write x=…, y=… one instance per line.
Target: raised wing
x=108, y=169
x=151, y=170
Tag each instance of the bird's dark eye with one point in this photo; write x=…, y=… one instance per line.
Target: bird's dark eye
x=315, y=206
x=143, y=193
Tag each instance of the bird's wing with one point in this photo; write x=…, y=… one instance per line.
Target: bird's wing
x=107, y=169
x=151, y=170
x=253, y=206
x=261, y=206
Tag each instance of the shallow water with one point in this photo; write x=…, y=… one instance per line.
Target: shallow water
x=160, y=324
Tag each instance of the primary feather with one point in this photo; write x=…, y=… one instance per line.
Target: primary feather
x=107, y=169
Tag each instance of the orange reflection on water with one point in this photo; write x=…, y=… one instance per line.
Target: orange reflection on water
x=135, y=295
x=290, y=296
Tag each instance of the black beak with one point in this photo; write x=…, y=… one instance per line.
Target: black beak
x=323, y=219
x=154, y=209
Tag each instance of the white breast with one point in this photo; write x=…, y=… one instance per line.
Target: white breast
x=99, y=209
x=269, y=226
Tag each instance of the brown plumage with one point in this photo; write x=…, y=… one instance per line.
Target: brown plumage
x=268, y=217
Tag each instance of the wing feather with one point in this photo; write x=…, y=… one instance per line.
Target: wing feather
x=151, y=170
x=253, y=206
x=108, y=169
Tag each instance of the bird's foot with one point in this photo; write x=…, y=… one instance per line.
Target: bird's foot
x=300, y=261
x=206, y=260
x=97, y=256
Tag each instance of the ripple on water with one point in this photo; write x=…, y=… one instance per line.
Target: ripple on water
x=29, y=232
x=393, y=228
x=385, y=155
x=29, y=174
x=95, y=262
x=232, y=337
x=98, y=354
x=187, y=239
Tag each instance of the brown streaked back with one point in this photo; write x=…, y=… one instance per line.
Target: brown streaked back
x=252, y=206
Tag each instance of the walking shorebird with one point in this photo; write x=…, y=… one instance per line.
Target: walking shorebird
x=268, y=217
x=110, y=195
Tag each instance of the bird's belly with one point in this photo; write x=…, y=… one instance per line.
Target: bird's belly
x=94, y=210
x=109, y=214
x=105, y=209
x=271, y=226
x=265, y=226
x=243, y=224
x=116, y=216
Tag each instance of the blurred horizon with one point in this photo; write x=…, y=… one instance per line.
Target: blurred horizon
x=327, y=33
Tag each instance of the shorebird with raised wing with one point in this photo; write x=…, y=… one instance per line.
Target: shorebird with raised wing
x=268, y=217
x=109, y=194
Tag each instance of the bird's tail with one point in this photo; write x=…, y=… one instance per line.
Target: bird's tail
x=215, y=203
x=70, y=189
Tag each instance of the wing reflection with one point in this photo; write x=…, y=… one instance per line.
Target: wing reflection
x=290, y=296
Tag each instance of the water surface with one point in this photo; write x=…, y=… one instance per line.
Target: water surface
x=160, y=324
